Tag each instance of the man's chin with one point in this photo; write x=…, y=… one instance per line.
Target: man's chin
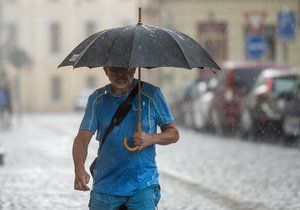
x=121, y=85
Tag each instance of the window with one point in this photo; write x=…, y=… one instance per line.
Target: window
x=55, y=37
x=56, y=89
x=244, y=78
x=213, y=35
x=90, y=28
x=284, y=84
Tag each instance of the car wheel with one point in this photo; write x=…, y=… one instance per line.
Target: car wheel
x=256, y=132
x=290, y=141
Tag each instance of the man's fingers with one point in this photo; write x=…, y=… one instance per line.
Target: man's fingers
x=77, y=186
x=80, y=185
x=85, y=187
x=137, y=142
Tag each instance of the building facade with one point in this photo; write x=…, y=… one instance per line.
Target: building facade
x=45, y=31
x=233, y=29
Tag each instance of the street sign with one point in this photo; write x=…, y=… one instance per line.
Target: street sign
x=255, y=21
x=256, y=46
x=286, y=24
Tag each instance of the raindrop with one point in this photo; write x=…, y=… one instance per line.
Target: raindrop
x=181, y=37
x=147, y=28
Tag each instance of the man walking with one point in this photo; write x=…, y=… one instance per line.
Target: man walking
x=122, y=177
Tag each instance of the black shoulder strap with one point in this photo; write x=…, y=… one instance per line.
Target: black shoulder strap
x=121, y=113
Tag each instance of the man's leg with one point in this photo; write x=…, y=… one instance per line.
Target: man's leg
x=146, y=199
x=100, y=201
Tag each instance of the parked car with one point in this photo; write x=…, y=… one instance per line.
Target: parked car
x=181, y=104
x=190, y=99
x=263, y=107
x=202, y=97
x=234, y=82
x=176, y=105
x=291, y=117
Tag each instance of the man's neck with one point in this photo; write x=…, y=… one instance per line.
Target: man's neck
x=121, y=91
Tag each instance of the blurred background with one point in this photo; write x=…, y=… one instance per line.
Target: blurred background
x=37, y=35
x=251, y=107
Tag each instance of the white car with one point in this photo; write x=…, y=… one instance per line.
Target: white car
x=201, y=103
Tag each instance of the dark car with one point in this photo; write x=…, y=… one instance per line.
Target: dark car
x=234, y=82
x=263, y=107
x=291, y=117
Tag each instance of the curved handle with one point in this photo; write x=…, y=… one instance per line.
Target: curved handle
x=128, y=148
x=139, y=124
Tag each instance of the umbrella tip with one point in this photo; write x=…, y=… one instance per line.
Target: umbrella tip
x=140, y=14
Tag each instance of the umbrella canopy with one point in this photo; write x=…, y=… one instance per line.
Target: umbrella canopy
x=139, y=46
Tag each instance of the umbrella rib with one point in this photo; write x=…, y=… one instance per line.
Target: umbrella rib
x=108, y=51
x=86, y=48
x=178, y=46
x=131, y=48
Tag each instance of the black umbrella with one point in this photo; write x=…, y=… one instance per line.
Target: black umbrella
x=139, y=46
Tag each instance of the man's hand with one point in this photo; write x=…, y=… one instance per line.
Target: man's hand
x=79, y=152
x=82, y=178
x=142, y=139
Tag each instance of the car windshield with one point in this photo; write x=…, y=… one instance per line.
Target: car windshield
x=284, y=84
x=245, y=78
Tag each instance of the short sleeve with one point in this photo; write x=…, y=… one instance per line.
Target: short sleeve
x=90, y=120
x=163, y=115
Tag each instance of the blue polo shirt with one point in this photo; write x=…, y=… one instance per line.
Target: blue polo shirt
x=117, y=171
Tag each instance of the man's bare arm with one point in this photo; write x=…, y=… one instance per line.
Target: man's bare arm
x=79, y=152
x=169, y=134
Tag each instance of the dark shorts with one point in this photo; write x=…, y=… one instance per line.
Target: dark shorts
x=146, y=199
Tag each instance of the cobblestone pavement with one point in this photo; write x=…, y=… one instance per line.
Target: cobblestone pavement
x=199, y=172
x=38, y=173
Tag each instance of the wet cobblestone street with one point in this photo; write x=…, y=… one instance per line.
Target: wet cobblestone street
x=201, y=171
x=38, y=169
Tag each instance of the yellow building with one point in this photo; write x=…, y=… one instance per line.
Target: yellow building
x=228, y=29
x=46, y=31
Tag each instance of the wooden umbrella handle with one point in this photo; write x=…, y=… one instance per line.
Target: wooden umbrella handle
x=128, y=148
x=139, y=124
